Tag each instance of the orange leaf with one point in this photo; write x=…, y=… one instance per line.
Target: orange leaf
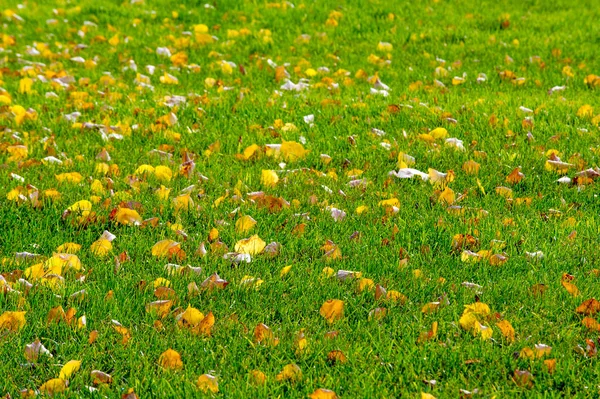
x=322, y=393
x=515, y=176
x=170, y=359
x=507, y=330
x=589, y=307
x=570, y=287
x=332, y=310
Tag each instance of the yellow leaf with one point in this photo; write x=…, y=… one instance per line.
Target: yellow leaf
x=169, y=79
x=68, y=248
x=205, y=325
x=144, y=169
x=25, y=85
x=53, y=386
x=160, y=308
x=290, y=372
x=571, y=288
x=473, y=315
x=165, y=248
x=72, y=177
x=292, y=151
x=484, y=331
x=264, y=334
x=170, y=360
x=361, y=209
x=183, y=202
x=585, y=111
x=244, y=224
x=471, y=167
x=322, y=393
x=252, y=245
x=257, y=377
x=430, y=307
x=504, y=192
x=507, y=330
x=447, y=196
x=101, y=247
x=285, y=270
x=163, y=173
x=332, y=310
x=527, y=353
x=208, y=383
x=365, y=284
x=12, y=321
x=550, y=365
x=35, y=272
x=114, y=41
x=390, y=202
x=427, y=396
x=17, y=152
x=61, y=263
x=439, y=133
x=269, y=178
x=162, y=193
x=128, y=216
x=249, y=152
x=190, y=318
x=70, y=368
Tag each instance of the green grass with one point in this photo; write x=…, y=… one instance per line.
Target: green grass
x=385, y=358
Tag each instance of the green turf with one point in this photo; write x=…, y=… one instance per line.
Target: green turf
x=525, y=48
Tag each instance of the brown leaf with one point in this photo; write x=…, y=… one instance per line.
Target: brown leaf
x=550, y=365
x=336, y=357
x=101, y=377
x=516, y=176
x=538, y=289
x=570, y=287
x=589, y=307
x=523, y=378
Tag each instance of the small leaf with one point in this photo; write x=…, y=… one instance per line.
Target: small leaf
x=332, y=310
x=322, y=393
x=70, y=368
x=170, y=360
x=589, y=307
x=290, y=372
x=208, y=383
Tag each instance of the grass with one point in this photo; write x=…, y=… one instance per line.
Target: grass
x=408, y=250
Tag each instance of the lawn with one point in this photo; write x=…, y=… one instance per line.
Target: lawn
x=324, y=199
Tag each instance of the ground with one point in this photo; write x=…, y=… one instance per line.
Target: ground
x=324, y=199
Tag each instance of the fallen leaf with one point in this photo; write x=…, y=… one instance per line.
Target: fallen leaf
x=170, y=360
x=208, y=383
x=332, y=310
x=290, y=372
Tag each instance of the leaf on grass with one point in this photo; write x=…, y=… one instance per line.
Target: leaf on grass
x=507, y=330
x=208, y=383
x=589, y=307
x=12, y=321
x=257, y=377
x=244, y=224
x=190, y=318
x=336, y=356
x=290, y=372
x=253, y=245
x=70, y=368
x=323, y=393
x=34, y=350
x=570, y=287
x=332, y=310
x=170, y=360
x=100, y=377
x=54, y=386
